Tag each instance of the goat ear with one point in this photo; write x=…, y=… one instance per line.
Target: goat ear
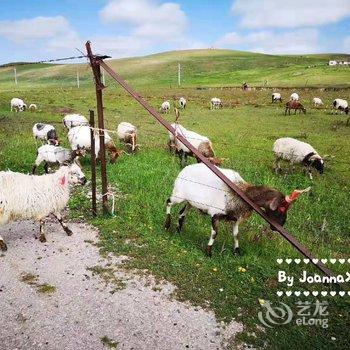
x=274, y=203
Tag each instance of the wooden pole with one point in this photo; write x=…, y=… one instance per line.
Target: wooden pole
x=93, y=163
x=15, y=71
x=179, y=74
x=78, y=81
x=103, y=77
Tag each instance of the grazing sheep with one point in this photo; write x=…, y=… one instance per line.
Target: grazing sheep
x=45, y=132
x=33, y=107
x=128, y=134
x=201, y=143
x=317, y=102
x=215, y=103
x=276, y=96
x=296, y=105
x=294, y=97
x=72, y=120
x=18, y=105
x=165, y=107
x=199, y=187
x=35, y=197
x=80, y=140
x=297, y=152
x=341, y=105
x=182, y=102
x=52, y=155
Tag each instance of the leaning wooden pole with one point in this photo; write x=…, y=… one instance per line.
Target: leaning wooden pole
x=93, y=164
x=95, y=65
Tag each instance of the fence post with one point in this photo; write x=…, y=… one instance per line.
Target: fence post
x=179, y=74
x=78, y=80
x=15, y=71
x=93, y=163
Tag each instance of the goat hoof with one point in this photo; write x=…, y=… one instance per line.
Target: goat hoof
x=42, y=238
x=68, y=232
x=167, y=222
x=237, y=252
x=208, y=251
x=3, y=246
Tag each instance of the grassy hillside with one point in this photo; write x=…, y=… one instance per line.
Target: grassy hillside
x=199, y=68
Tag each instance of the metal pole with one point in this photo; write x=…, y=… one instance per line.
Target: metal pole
x=294, y=242
x=95, y=65
x=78, y=81
x=15, y=71
x=179, y=74
x=93, y=163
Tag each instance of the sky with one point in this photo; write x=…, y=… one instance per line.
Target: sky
x=32, y=30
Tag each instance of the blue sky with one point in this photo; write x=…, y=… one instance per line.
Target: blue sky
x=35, y=30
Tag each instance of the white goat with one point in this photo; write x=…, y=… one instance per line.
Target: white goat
x=165, y=107
x=297, y=152
x=182, y=102
x=127, y=133
x=72, y=120
x=33, y=107
x=317, y=102
x=294, y=97
x=34, y=197
x=215, y=103
x=18, y=105
x=276, y=96
x=45, y=132
x=341, y=105
x=199, y=187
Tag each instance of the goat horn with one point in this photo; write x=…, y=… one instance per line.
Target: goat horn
x=295, y=194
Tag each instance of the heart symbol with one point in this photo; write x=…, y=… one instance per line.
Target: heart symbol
x=288, y=261
x=324, y=261
x=349, y=292
x=279, y=293
x=342, y=261
x=306, y=293
x=297, y=293
x=341, y=293
x=297, y=261
x=279, y=261
x=315, y=261
x=315, y=293
x=306, y=261
x=288, y=293
x=349, y=260
x=324, y=293
x=333, y=261
x=332, y=293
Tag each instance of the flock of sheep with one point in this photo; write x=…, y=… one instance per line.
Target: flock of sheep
x=196, y=185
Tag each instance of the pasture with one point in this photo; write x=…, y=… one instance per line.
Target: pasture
x=243, y=133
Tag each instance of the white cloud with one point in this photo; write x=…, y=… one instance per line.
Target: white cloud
x=147, y=18
x=289, y=14
x=298, y=41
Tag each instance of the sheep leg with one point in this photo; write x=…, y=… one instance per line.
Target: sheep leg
x=46, y=167
x=42, y=237
x=68, y=231
x=3, y=245
x=285, y=112
x=167, y=223
x=214, y=232
x=182, y=217
x=310, y=172
x=276, y=165
x=236, y=250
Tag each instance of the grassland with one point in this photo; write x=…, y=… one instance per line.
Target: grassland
x=242, y=132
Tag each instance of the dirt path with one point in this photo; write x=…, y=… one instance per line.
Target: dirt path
x=50, y=298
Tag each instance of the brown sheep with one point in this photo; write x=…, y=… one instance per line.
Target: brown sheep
x=294, y=105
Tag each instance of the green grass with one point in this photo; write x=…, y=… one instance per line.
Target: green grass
x=243, y=133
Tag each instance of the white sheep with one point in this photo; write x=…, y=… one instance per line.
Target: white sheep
x=79, y=138
x=18, y=105
x=215, y=103
x=317, y=102
x=128, y=133
x=199, y=187
x=182, y=102
x=294, y=97
x=52, y=155
x=24, y=197
x=45, y=132
x=297, y=152
x=165, y=107
x=33, y=107
x=72, y=120
x=276, y=96
x=341, y=105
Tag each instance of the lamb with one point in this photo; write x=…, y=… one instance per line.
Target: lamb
x=18, y=105
x=35, y=197
x=341, y=105
x=199, y=187
x=33, y=107
x=182, y=102
x=297, y=152
x=317, y=102
x=201, y=143
x=51, y=155
x=45, y=132
x=72, y=120
x=294, y=97
x=128, y=134
x=80, y=140
x=215, y=103
x=296, y=105
x=165, y=107
x=276, y=96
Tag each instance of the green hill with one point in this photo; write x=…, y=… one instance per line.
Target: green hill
x=199, y=68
